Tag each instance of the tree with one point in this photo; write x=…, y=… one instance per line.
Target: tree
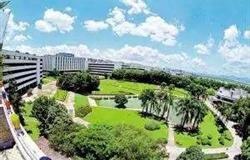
x=192, y=110
x=95, y=141
x=46, y=110
x=145, y=97
x=16, y=99
x=245, y=149
x=192, y=153
x=241, y=111
x=121, y=100
x=133, y=144
x=81, y=82
x=4, y=4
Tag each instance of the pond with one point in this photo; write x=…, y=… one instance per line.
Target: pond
x=132, y=103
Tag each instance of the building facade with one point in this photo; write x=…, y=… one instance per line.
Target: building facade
x=65, y=62
x=24, y=68
x=102, y=68
x=229, y=96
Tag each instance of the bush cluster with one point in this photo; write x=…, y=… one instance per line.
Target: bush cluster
x=152, y=125
x=215, y=156
x=81, y=82
x=83, y=111
x=204, y=140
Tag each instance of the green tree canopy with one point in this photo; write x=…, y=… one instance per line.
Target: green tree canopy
x=192, y=153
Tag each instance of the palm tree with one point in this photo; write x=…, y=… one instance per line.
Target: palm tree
x=185, y=108
x=201, y=110
x=4, y=4
x=145, y=98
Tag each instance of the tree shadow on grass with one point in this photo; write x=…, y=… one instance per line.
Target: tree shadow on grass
x=189, y=130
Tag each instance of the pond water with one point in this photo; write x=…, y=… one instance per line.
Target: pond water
x=136, y=104
x=132, y=103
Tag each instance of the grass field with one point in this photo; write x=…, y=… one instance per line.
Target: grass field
x=125, y=87
x=48, y=79
x=207, y=127
x=80, y=101
x=31, y=123
x=61, y=95
x=122, y=87
x=112, y=116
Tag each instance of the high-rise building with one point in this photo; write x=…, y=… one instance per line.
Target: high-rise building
x=65, y=62
x=24, y=68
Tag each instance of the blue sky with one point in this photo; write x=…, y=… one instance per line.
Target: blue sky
x=207, y=36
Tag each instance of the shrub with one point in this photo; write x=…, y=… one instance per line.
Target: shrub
x=152, y=125
x=83, y=111
x=198, y=140
x=227, y=135
x=192, y=153
x=210, y=136
x=121, y=100
x=214, y=156
x=205, y=141
x=15, y=120
x=222, y=140
x=245, y=148
x=29, y=92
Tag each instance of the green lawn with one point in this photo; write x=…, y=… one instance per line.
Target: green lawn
x=111, y=116
x=61, y=95
x=207, y=127
x=81, y=101
x=48, y=79
x=122, y=87
x=31, y=123
x=180, y=93
x=108, y=86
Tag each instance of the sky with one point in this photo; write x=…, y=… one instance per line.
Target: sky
x=203, y=36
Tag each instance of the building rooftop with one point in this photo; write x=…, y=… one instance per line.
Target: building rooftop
x=233, y=94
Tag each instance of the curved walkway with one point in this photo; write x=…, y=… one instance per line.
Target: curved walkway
x=232, y=151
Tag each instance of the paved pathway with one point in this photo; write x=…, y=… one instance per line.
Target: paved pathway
x=47, y=90
x=232, y=151
x=92, y=102
x=11, y=154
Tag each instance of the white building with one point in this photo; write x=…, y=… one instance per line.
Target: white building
x=24, y=68
x=230, y=95
x=65, y=62
x=102, y=67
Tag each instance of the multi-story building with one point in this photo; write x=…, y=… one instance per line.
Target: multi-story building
x=102, y=68
x=65, y=62
x=24, y=68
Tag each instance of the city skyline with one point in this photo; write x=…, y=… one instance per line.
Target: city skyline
x=209, y=37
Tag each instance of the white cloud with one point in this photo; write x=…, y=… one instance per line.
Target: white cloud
x=68, y=9
x=14, y=29
x=136, y=6
x=91, y=25
x=199, y=62
x=204, y=48
x=231, y=33
x=44, y=26
x=154, y=27
x=55, y=20
x=201, y=49
x=247, y=34
x=21, y=38
x=235, y=53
